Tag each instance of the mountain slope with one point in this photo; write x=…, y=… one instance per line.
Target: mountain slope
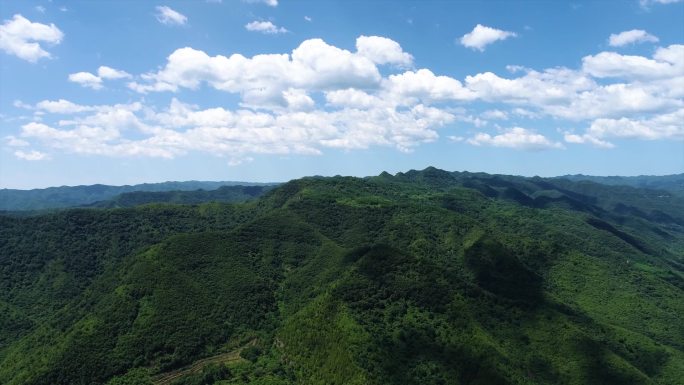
x=672, y=183
x=70, y=196
x=425, y=277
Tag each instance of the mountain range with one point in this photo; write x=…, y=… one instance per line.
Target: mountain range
x=422, y=277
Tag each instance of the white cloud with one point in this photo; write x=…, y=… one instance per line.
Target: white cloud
x=13, y=141
x=20, y=104
x=481, y=36
x=352, y=98
x=664, y=126
x=270, y=3
x=86, y=79
x=666, y=62
x=105, y=72
x=320, y=96
x=381, y=50
x=62, y=106
x=517, y=138
x=575, y=95
x=308, y=18
x=555, y=85
x=426, y=86
x=168, y=16
x=22, y=38
x=495, y=114
x=648, y=3
x=183, y=128
x=586, y=138
x=263, y=79
x=265, y=27
x=31, y=155
x=614, y=100
x=40, y=8
x=631, y=37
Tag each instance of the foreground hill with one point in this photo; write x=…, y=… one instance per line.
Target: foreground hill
x=70, y=196
x=424, y=277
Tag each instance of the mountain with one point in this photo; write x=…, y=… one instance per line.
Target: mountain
x=226, y=194
x=423, y=277
x=672, y=183
x=70, y=196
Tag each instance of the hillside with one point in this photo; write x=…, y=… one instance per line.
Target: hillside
x=672, y=183
x=226, y=194
x=71, y=196
x=423, y=277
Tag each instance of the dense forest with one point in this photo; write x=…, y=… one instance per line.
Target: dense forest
x=424, y=277
x=72, y=196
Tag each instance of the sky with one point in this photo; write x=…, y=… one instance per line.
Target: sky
x=124, y=92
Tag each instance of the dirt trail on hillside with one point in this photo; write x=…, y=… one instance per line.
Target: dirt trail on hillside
x=197, y=366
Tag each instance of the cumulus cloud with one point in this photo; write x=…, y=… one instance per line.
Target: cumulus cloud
x=270, y=3
x=22, y=38
x=662, y=126
x=586, y=138
x=426, y=86
x=495, y=114
x=631, y=37
x=555, y=85
x=381, y=50
x=481, y=36
x=666, y=62
x=648, y=3
x=13, y=141
x=517, y=138
x=320, y=96
x=265, y=27
x=87, y=79
x=31, y=155
x=62, y=106
x=263, y=79
x=168, y=16
x=105, y=72
x=182, y=128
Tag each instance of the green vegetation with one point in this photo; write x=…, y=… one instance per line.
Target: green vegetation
x=425, y=277
x=672, y=183
x=72, y=196
x=227, y=194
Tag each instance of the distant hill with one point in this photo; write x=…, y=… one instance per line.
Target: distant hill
x=70, y=196
x=673, y=183
x=225, y=194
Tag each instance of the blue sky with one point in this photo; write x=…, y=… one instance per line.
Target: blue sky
x=122, y=92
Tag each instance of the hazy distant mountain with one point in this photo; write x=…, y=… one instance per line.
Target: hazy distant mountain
x=673, y=183
x=70, y=196
x=224, y=194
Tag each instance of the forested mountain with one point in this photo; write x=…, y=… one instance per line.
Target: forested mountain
x=70, y=196
x=226, y=194
x=672, y=183
x=424, y=277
